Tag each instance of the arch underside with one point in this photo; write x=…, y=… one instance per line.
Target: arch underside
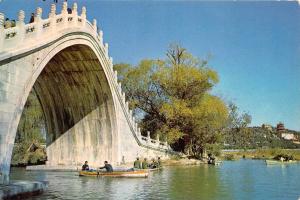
x=78, y=107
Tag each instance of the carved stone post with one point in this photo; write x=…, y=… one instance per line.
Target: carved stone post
x=75, y=14
x=139, y=132
x=74, y=9
x=52, y=17
x=39, y=12
x=64, y=10
x=1, y=33
x=100, y=36
x=52, y=11
x=167, y=145
x=95, y=24
x=123, y=97
x=83, y=15
x=64, y=13
x=38, y=21
x=21, y=26
x=112, y=65
x=116, y=76
x=148, y=137
x=106, y=49
x=157, y=140
x=136, y=127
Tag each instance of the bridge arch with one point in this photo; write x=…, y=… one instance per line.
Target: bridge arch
x=78, y=106
x=82, y=79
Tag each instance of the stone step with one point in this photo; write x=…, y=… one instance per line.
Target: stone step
x=19, y=189
x=53, y=168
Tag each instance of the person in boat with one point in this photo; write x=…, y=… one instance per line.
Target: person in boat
x=153, y=164
x=107, y=166
x=85, y=167
x=145, y=164
x=159, y=162
x=137, y=163
x=211, y=159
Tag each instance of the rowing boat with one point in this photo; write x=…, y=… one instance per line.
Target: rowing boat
x=278, y=162
x=155, y=169
x=131, y=174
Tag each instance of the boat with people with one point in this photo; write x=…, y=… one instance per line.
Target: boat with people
x=107, y=170
x=139, y=170
x=280, y=162
x=125, y=173
x=212, y=160
x=282, y=159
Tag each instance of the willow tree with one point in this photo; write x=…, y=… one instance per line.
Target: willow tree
x=30, y=133
x=171, y=97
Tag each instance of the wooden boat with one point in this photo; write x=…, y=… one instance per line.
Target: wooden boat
x=155, y=169
x=130, y=174
x=278, y=162
x=217, y=163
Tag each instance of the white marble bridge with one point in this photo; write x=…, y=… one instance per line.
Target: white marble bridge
x=64, y=60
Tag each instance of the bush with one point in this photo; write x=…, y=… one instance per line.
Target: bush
x=276, y=151
x=214, y=149
x=229, y=157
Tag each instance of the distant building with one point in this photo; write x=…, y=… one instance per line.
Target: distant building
x=288, y=136
x=280, y=127
x=267, y=126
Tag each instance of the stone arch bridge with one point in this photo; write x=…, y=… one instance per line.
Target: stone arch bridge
x=63, y=58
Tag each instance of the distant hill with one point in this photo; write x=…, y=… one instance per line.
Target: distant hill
x=258, y=137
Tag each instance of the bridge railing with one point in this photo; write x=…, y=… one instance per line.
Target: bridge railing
x=26, y=35
x=12, y=37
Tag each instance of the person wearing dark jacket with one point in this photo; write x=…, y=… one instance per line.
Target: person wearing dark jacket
x=85, y=167
x=107, y=166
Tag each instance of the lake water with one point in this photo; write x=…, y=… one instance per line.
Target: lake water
x=242, y=180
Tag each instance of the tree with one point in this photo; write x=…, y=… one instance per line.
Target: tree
x=172, y=98
x=29, y=133
x=238, y=132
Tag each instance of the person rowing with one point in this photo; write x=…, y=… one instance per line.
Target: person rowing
x=85, y=167
x=145, y=164
x=107, y=166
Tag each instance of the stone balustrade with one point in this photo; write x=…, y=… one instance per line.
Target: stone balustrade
x=154, y=143
x=42, y=29
x=56, y=25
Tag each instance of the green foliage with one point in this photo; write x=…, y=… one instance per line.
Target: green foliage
x=28, y=133
x=171, y=98
x=229, y=157
x=31, y=122
x=238, y=134
x=214, y=149
x=22, y=155
x=258, y=137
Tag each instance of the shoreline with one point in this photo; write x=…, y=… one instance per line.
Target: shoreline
x=262, y=154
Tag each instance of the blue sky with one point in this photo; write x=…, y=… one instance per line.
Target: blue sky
x=254, y=46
